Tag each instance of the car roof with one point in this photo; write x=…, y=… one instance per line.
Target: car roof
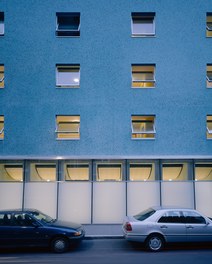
x=19, y=211
x=161, y=208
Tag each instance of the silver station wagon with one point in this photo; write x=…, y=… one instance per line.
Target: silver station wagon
x=157, y=226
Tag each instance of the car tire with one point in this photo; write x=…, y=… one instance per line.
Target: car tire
x=59, y=245
x=155, y=242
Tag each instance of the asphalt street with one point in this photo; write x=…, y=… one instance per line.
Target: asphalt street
x=109, y=251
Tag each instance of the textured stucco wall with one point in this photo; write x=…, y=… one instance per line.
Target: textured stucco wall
x=105, y=100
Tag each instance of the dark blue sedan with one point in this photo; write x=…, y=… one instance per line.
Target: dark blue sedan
x=24, y=228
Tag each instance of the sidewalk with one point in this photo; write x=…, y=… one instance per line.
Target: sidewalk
x=103, y=231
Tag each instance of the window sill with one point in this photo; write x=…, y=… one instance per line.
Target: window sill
x=143, y=36
x=65, y=139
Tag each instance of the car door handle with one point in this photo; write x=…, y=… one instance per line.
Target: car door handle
x=189, y=227
x=163, y=226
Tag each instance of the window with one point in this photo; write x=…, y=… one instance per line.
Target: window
x=143, y=24
x=44, y=172
x=1, y=23
x=143, y=127
x=193, y=218
x=143, y=76
x=209, y=25
x=142, y=171
x=68, y=24
x=1, y=127
x=109, y=172
x=68, y=76
x=67, y=127
x=11, y=172
x=203, y=172
x=76, y=171
x=174, y=171
x=172, y=217
x=209, y=127
x=5, y=219
x=209, y=76
x=1, y=76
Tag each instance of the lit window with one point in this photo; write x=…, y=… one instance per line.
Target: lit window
x=142, y=171
x=78, y=171
x=11, y=172
x=203, y=171
x=209, y=127
x=1, y=23
x=209, y=25
x=209, y=76
x=67, y=127
x=109, y=172
x=68, y=76
x=1, y=127
x=175, y=171
x=68, y=24
x=1, y=76
x=143, y=127
x=43, y=172
x=143, y=24
x=143, y=76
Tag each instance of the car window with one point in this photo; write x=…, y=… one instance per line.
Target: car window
x=42, y=217
x=22, y=219
x=193, y=218
x=145, y=214
x=5, y=219
x=171, y=217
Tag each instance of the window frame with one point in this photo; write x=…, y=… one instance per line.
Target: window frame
x=208, y=25
x=65, y=31
x=76, y=164
x=143, y=83
x=2, y=23
x=2, y=121
x=209, y=76
x=208, y=130
x=3, y=74
x=142, y=17
x=57, y=131
x=70, y=70
x=134, y=134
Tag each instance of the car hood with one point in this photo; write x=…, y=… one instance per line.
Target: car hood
x=64, y=224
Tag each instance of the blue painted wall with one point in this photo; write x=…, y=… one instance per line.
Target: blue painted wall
x=105, y=100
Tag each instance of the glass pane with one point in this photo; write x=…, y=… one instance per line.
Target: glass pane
x=175, y=172
x=142, y=172
x=43, y=172
x=109, y=172
x=68, y=76
x=11, y=172
x=68, y=22
x=203, y=171
x=1, y=28
x=143, y=25
x=76, y=172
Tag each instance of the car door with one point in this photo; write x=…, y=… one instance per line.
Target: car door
x=172, y=226
x=198, y=228
x=5, y=230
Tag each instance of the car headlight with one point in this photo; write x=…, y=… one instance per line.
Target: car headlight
x=78, y=233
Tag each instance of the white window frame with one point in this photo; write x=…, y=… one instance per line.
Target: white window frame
x=142, y=120
x=67, y=32
x=77, y=131
x=1, y=23
x=71, y=70
x=143, y=17
x=143, y=72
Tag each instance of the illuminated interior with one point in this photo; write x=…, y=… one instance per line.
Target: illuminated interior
x=175, y=172
x=209, y=76
x=209, y=25
x=143, y=126
x=43, y=172
x=109, y=172
x=76, y=172
x=68, y=127
x=142, y=172
x=143, y=76
x=11, y=172
x=1, y=76
x=209, y=127
x=143, y=24
x=1, y=127
x=68, y=76
x=203, y=171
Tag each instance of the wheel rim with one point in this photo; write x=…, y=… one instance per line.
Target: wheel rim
x=59, y=245
x=155, y=243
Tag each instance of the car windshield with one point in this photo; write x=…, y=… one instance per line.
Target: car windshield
x=145, y=214
x=42, y=217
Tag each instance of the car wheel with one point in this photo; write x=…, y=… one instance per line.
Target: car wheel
x=59, y=245
x=155, y=242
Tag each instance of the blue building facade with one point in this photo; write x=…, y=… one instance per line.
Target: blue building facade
x=105, y=106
